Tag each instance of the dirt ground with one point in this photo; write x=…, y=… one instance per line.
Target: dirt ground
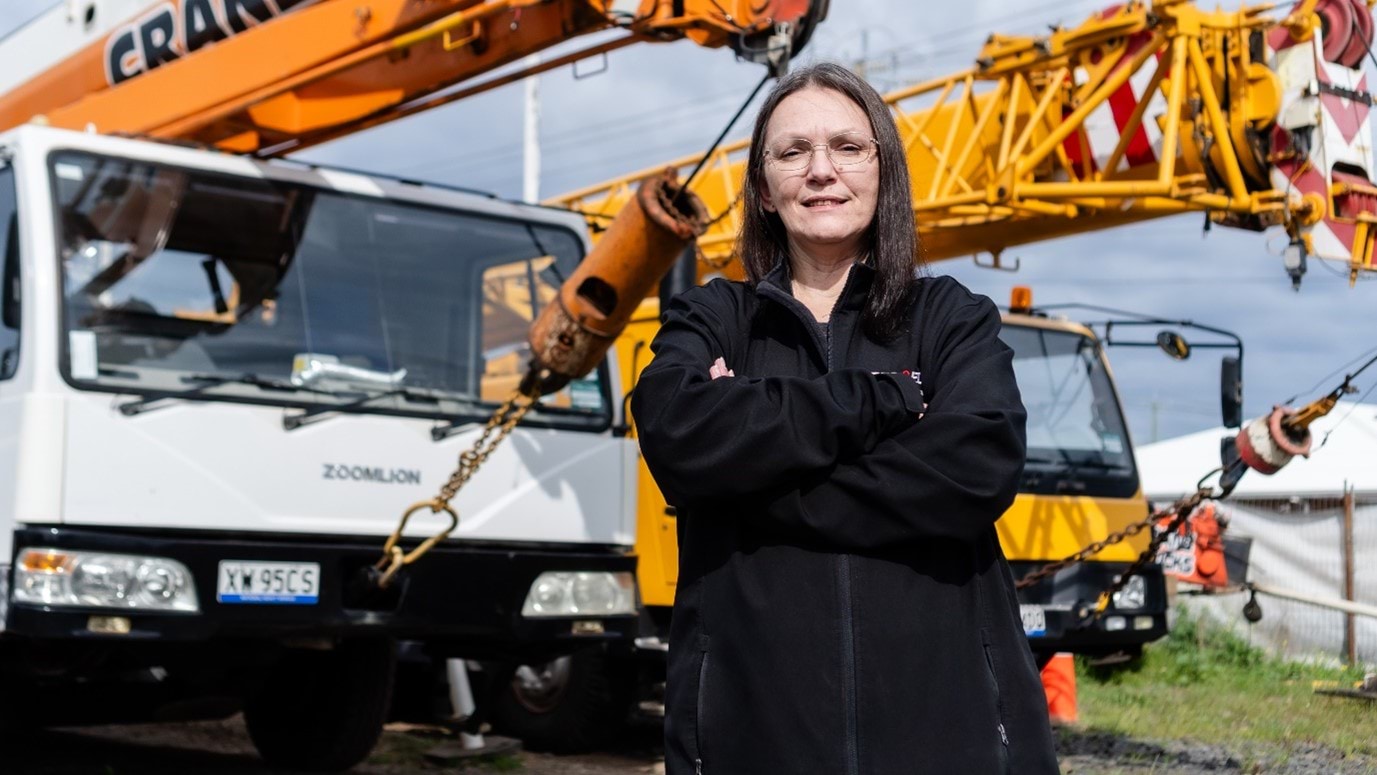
x=223, y=748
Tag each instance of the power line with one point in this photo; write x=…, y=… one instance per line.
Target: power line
x=576, y=137
x=927, y=57
x=1003, y=22
x=956, y=39
x=647, y=119
x=666, y=119
x=1347, y=414
x=620, y=126
x=1322, y=380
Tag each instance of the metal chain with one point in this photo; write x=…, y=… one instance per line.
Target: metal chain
x=719, y=263
x=1187, y=504
x=741, y=192
x=1184, y=508
x=502, y=422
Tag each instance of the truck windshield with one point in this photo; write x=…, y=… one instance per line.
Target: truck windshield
x=1077, y=441
x=182, y=282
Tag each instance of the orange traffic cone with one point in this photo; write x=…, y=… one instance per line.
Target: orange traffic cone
x=1059, y=681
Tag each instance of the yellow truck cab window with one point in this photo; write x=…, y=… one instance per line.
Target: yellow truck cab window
x=514, y=293
x=1077, y=440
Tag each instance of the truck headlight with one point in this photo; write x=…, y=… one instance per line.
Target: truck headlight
x=568, y=593
x=62, y=577
x=1133, y=596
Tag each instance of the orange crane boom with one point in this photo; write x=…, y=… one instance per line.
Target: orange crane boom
x=273, y=77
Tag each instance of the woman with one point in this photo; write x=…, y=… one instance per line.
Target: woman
x=843, y=604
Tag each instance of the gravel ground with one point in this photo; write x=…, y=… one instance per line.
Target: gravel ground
x=223, y=748
x=1100, y=753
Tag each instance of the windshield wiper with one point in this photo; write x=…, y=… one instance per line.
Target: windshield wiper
x=1098, y=465
x=479, y=412
x=1066, y=474
x=293, y=421
x=207, y=382
x=1088, y=465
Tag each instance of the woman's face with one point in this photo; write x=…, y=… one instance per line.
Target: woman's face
x=825, y=207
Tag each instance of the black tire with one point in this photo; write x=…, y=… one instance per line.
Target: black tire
x=585, y=710
x=323, y=711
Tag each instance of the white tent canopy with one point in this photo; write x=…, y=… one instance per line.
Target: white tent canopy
x=1295, y=520
x=1171, y=468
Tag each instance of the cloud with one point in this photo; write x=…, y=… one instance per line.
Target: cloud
x=17, y=12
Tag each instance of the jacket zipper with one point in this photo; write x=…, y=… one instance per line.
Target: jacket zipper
x=999, y=707
x=698, y=721
x=848, y=640
x=805, y=315
x=848, y=649
x=848, y=644
x=848, y=634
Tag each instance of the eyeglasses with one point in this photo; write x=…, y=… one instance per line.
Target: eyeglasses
x=843, y=150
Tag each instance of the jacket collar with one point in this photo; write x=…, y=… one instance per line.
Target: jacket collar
x=778, y=285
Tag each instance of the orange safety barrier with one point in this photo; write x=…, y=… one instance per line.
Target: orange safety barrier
x=1059, y=682
x=1195, y=552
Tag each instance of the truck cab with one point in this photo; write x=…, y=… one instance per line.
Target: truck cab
x=1080, y=483
x=223, y=381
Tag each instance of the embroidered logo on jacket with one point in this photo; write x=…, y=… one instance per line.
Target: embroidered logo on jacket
x=912, y=374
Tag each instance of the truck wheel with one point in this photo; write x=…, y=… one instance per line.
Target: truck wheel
x=569, y=704
x=323, y=711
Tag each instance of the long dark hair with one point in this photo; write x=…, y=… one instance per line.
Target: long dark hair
x=892, y=239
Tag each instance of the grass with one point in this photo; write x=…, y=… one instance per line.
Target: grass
x=1206, y=684
x=409, y=750
x=399, y=749
x=1201, y=683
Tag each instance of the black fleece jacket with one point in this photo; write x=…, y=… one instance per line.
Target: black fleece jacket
x=843, y=604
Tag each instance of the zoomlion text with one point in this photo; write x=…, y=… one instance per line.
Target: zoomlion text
x=372, y=474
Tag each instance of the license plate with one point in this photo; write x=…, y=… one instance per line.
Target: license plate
x=277, y=583
x=1034, y=619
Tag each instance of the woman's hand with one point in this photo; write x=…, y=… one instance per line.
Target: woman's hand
x=719, y=369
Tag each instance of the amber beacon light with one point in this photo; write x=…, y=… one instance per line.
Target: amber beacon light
x=1021, y=299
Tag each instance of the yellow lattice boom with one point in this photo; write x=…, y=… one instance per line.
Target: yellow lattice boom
x=1139, y=112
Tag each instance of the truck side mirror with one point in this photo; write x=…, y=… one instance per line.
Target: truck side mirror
x=1231, y=391
x=1174, y=345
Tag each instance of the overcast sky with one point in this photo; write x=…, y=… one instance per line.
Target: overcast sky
x=647, y=104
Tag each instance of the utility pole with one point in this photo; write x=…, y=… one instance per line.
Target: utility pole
x=864, y=64
x=530, y=166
